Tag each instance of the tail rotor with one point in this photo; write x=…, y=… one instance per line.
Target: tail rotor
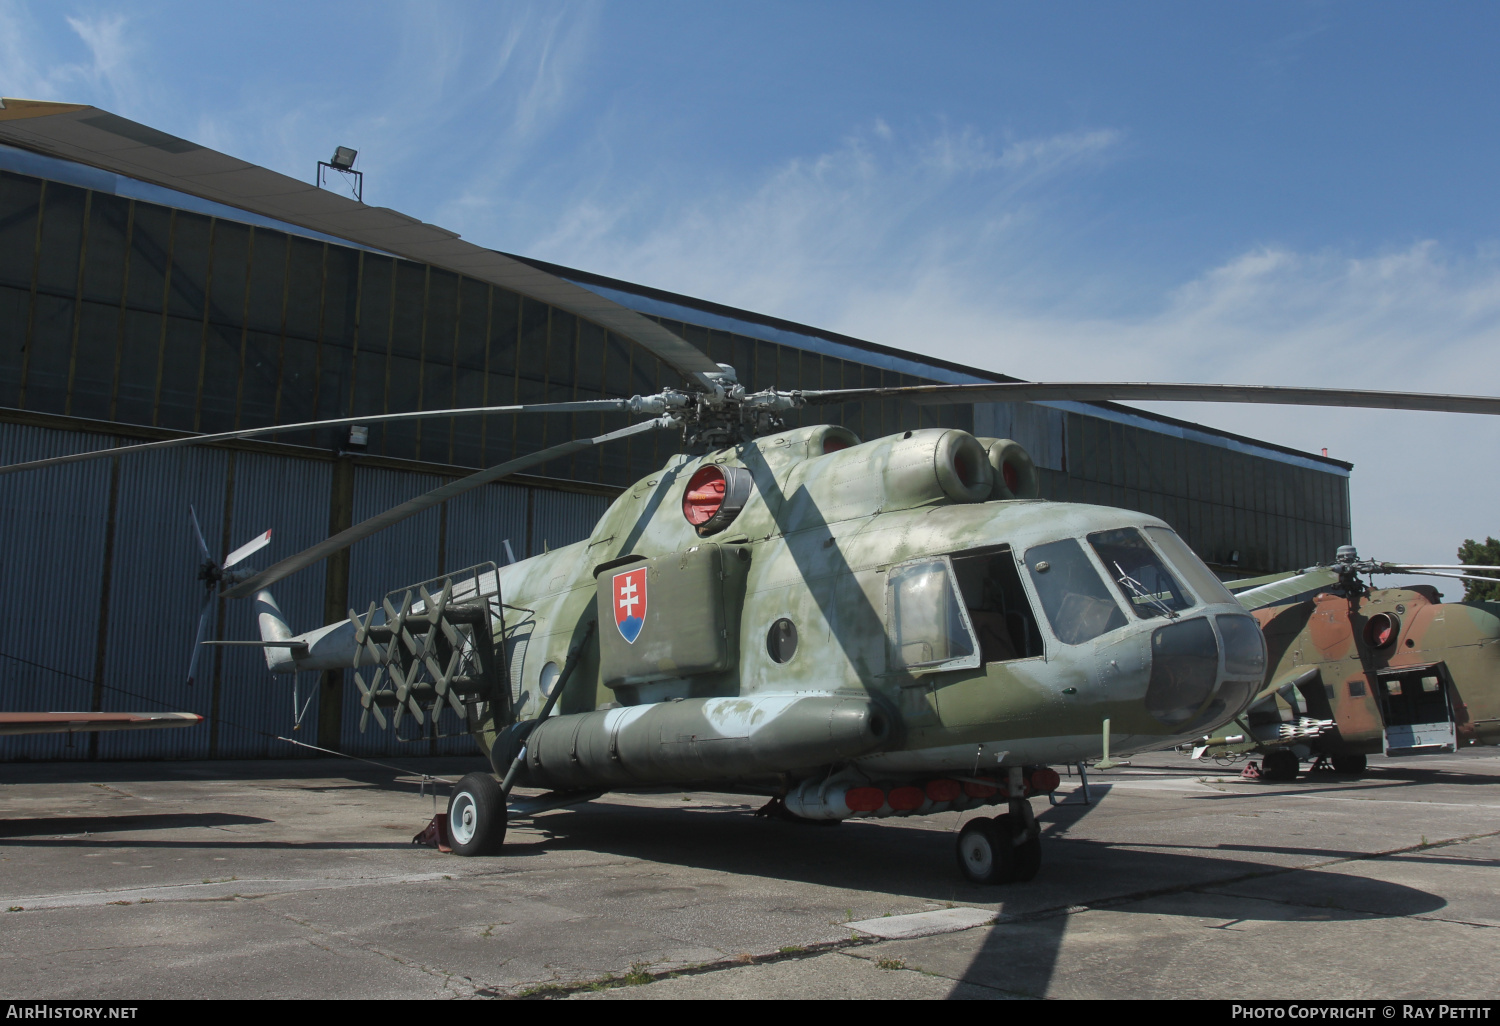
x=211, y=573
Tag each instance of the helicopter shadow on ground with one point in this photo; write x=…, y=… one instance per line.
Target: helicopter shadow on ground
x=298, y=774
x=1020, y=954
x=49, y=826
x=888, y=857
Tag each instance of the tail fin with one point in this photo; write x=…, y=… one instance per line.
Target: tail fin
x=273, y=627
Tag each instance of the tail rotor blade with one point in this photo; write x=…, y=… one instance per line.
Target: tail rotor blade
x=208, y=606
x=198, y=533
x=251, y=547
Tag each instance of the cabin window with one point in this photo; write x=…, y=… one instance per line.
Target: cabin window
x=1142, y=578
x=929, y=626
x=999, y=611
x=1076, y=600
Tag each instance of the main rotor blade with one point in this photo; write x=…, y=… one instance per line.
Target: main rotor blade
x=582, y=406
x=1456, y=577
x=100, y=139
x=1399, y=567
x=1085, y=391
x=411, y=507
x=1280, y=591
x=251, y=546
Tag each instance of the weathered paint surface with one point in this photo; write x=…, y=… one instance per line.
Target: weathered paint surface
x=827, y=523
x=823, y=532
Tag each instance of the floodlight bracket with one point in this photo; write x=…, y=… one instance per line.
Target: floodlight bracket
x=348, y=172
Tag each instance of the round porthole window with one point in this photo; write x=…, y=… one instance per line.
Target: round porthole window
x=781, y=640
x=547, y=679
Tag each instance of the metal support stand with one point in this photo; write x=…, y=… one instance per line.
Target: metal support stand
x=357, y=177
x=1083, y=774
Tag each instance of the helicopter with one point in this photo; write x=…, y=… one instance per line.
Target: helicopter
x=853, y=629
x=1356, y=670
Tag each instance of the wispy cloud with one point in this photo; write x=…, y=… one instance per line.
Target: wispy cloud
x=879, y=211
x=941, y=244
x=95, y=63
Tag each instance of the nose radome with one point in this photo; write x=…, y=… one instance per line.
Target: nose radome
x=1184, y=670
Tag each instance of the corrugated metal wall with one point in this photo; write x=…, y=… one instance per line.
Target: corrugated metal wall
x=562, y=519
x=55, y=525
x=52, y=540
x=155, y=596
x=1041, y=430
x=255, y=704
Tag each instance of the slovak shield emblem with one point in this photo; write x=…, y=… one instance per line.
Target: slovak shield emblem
x=630, y=603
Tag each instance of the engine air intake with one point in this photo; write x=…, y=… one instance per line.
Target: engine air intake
x=714, y=496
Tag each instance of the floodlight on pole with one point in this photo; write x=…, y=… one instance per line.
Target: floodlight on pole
x=342, y=161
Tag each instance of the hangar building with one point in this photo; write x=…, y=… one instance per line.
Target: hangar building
x=151, y=287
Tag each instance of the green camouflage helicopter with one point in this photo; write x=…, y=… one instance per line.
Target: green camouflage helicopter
x=1356, y=671
x=855, y=629
x=888, y=627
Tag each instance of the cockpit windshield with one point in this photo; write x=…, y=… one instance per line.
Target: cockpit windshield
x=1189, y=567
x=1076, y=601
x=1143, y=580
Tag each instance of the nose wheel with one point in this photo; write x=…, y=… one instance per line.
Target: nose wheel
x=1005, y=849
x=1280, y=764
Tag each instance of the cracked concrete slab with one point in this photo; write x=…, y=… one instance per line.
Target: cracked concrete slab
x=140, y=880
x=829, y=976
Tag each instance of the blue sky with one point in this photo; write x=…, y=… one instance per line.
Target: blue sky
x=1298, y=193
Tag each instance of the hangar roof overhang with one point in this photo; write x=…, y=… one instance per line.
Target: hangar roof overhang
x=103, y=140
x=706, y=313
x=85, y=135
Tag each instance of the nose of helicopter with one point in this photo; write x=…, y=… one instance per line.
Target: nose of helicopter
x=1203, y=670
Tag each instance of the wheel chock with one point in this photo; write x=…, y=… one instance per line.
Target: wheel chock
x=435, y=835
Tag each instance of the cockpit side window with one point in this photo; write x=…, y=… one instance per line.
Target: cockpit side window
x=998, y=608
x=1077, y=602
x=929, y=627
x=1149, y=589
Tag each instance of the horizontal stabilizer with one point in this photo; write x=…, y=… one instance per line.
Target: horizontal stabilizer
x=296, y=647
x=82, y=722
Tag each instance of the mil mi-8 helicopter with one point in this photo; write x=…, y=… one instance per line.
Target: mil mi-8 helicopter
x=889, y=627
x=1357, y=670
x=856, y=629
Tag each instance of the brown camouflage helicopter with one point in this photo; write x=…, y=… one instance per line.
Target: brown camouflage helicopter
x=1355, y=670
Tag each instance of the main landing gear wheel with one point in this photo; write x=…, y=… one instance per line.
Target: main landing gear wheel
x=1349, y=764
x=476, y=816
x=999, y=850
x=1026, y=847
x=1280, y=764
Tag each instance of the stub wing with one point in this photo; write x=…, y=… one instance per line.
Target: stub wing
x=80, y=722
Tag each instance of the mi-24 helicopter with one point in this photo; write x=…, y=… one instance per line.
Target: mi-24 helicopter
x=1356, y=670
x=853, y=628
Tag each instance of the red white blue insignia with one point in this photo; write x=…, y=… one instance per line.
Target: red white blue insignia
x=630, y=603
